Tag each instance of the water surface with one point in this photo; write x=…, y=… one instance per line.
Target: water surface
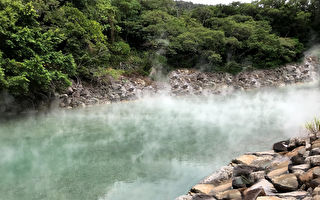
x=154, y=148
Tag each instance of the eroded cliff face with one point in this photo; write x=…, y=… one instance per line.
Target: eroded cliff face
x=186, y=82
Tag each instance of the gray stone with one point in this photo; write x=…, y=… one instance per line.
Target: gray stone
x=223, y=174
x=315, y=151
x=267, y=187
x=303, y=167
x=238, y=182
x=184, y=197
x=295, y=194
x=313, y=160
x=285, y=183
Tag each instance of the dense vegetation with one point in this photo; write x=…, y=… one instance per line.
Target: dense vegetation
x=44, y=43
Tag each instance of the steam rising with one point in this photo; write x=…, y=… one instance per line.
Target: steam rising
x=154, y=148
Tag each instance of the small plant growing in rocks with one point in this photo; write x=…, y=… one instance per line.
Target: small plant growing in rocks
x=313, y=126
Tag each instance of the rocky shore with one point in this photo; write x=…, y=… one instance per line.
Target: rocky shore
x=185, y=82
x=290, y=171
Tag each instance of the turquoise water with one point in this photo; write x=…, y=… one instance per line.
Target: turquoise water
x=154, y=148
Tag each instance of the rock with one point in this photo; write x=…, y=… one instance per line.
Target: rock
x=296, y=142
x=184, y=197
x=285, y=183
x=69, y=90
x=297, y=151
x=239, y=182
x=245, y=159
x=313, y=160
x=229, y=194
x=297, y=159
x=315, y=144
x=212, y=189
x=245, y=170
x=303, y=167
x=315, y=151
x=315, y=183
x=317, y=197
x=253, y=193
x=264, y=153
x=267, y=187
x=256, y=176
x=280, y=162
x=202, y=197
x=203, y=188
x=268, y=198
x=263, y=161
x=281, y=146
x=295, y=194
x=277, y=172
x=316, y=191
x=221, y=175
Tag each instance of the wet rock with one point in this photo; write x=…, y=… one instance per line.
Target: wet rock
x=285, y=183
x=281, y=146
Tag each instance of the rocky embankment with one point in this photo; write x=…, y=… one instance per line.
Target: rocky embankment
x=186, y=82
x=290, y=171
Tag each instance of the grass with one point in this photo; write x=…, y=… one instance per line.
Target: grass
x=313, y=126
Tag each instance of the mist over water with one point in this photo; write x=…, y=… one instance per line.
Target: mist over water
x=154, y=148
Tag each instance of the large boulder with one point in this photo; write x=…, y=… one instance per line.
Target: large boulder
x=285, y=183
x=281, y=146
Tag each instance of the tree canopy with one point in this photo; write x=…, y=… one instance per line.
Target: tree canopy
x=45, y=43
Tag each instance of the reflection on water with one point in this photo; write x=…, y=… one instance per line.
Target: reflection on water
x=156, y=148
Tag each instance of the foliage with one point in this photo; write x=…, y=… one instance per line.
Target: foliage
x=44, y=43
x=313, y=126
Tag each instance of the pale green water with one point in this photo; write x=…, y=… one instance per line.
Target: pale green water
x=156, y=148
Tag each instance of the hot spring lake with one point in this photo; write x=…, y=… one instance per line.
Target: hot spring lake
x=155, y=148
